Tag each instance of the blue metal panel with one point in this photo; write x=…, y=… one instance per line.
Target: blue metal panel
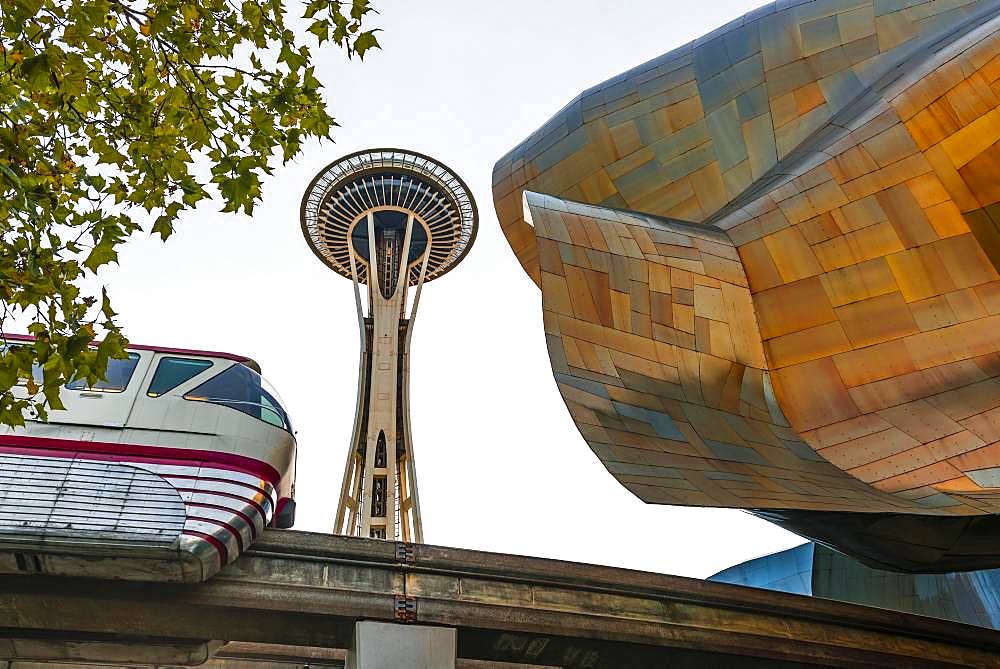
x=811, y=569
x=787, y=571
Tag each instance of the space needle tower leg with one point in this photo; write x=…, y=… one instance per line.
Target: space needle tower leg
x=382, y=488
x=378, y=497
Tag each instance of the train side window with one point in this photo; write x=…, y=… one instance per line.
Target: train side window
x=172, y=372
x=116, y=378
x=239, y=387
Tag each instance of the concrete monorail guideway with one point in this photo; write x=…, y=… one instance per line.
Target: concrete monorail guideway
x=299, y=589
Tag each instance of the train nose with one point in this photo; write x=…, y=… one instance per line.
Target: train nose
x=50, y=501
x=136, y=521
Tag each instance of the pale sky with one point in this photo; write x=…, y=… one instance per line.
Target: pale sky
x=500, y=465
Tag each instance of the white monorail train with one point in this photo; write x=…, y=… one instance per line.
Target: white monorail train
x=165, y=471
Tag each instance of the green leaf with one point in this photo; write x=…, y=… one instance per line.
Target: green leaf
x=364, y=42
x=103, y=252
x=294, y=59
x=52, y=398
x=106, y=305
x=252, y=14
x=74, y=80
x=10, y=174
x=321, y=29
x=30, y=7
x=36, y=72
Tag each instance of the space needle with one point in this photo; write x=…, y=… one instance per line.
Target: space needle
x=389, y=220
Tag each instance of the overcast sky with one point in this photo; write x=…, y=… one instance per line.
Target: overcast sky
x=500, y=465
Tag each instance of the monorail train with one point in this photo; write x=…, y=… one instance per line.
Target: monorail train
x=164, y=471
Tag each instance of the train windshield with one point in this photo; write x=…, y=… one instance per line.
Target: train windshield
x=243, y=389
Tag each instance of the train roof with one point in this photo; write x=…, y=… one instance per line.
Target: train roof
x=249, y=362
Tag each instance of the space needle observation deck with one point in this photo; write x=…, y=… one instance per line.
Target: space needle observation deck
x=389, y=220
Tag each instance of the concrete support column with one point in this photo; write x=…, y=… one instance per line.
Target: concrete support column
x=391, y=646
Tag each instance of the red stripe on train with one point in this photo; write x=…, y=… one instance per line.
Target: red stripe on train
x=224, y=525
x=105, y=450
x=219, y=507
x=248, y=500
x=257, y=489
x=219, y=546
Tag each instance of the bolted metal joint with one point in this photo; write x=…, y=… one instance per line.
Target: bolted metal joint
x=404, y=552
x=405, y=609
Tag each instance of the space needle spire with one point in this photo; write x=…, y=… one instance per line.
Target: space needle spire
x=390, y=220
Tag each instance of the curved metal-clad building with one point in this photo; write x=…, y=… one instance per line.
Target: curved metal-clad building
x=815, y=570
x=769, y=272
x=388, y=219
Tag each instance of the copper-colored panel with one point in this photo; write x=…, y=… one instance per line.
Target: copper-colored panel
x=877, y=319
x=869, y=364
x=792, y=307
x=921, y=421
x=946, y=219
x=859, y=282
x=871, y=448
x=761, y=271
x=812, y=394
x=821, y=341
x=920, y=273
x=874, y=241
x=792, y=255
